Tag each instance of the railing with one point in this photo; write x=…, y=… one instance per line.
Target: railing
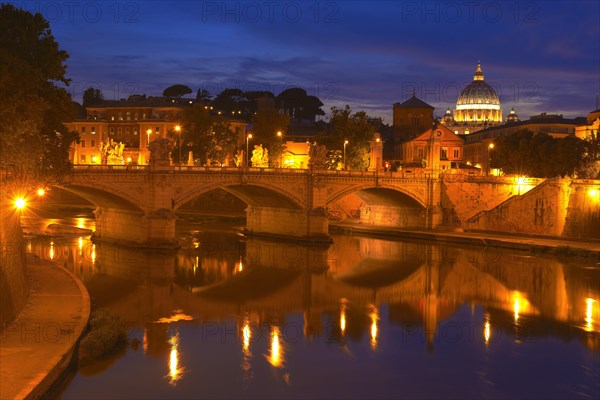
x=417, y=173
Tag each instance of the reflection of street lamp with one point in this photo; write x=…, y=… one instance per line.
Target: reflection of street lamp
x=248, y=137
x=178, y=130
x=344, y=163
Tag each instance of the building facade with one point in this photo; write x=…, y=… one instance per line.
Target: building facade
x=450, y=148
x=135, y=123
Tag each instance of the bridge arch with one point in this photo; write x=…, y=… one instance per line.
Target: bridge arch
x=417, y=198
x=253, y=194
x=102, y=198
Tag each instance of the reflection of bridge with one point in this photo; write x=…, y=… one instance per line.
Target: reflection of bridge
x=430, y=281
x=138, y=205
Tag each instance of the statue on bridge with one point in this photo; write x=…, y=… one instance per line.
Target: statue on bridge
x=160, y=152
x=317, y=155
x=260, y=157
x=112, y=152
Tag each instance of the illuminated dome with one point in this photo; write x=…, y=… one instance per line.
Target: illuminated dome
x=478, y=102
x=448, y=119
x=512, y=117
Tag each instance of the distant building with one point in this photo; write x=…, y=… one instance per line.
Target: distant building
x=450, y=147
x=477, y=107
x=410, y=118
x=135, y=122
x=589, y=130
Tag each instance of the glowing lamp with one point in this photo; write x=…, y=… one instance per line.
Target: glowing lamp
x=41, y=192
x=20, y=203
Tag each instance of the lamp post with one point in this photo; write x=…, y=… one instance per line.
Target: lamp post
x=344, y=162
x=248, y=137
x=280, y=136
x=178, y=130
x=489, y=160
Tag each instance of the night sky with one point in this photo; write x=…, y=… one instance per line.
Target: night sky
x=540, y=56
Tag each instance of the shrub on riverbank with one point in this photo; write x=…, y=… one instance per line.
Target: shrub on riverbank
x=106, y=335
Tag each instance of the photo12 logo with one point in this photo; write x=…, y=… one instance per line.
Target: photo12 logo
x=71, y=12
x=470, y=12
x=271, y=12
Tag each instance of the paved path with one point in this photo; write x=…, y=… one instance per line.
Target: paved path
x=493, y=239
x=37, y=347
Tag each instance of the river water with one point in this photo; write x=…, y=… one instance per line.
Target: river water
x=234, y=317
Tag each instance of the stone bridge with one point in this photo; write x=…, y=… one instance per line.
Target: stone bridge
x=138, y=204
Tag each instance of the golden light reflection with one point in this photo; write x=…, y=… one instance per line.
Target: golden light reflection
x=589, y=314
x=93, y=253
x=240, y=266
x=487, y=329
x=276, y=352
x=81, y=223
x=594, y=195
x=178, y=316
x=374, y=331
x=246, y=335
x=343, y=318
x=80, y=245
x=51, y=254
x=516, y=304
x=175, y=371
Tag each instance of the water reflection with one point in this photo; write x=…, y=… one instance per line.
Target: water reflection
x=358, y=292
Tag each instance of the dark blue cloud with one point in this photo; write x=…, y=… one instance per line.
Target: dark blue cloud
x=542, y=56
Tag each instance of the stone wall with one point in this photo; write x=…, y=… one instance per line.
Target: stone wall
x=558, y=207
x=463, y=197
x=400, y=217
x=13, y=282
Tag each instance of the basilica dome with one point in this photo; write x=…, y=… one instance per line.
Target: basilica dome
x=478, y=102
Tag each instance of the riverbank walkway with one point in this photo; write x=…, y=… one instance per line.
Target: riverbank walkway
x=37, y=347
x=480, y=238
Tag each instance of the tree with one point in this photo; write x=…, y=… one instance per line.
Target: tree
x=203, y=96
x=32, y=134
x=539, y=155
x=92, y=96
x=299, y=106
x=231, y=102
x=176, y=91
x=265, y=125
x=357, y=128
x=207, y=136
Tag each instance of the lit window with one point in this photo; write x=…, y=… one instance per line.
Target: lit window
x=444, y=153
x=93, y=130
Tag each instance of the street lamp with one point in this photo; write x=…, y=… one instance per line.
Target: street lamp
x=148, y=133
x=280, y=136
x=248, y=137
x=178, y=130
x=344, y=163
x=489, y=160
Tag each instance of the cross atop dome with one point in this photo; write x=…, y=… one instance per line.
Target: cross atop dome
x=478, y=73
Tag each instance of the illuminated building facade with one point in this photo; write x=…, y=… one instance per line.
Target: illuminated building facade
x=135, y=122
x=477, y=107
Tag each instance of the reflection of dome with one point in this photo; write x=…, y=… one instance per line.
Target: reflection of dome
x=512, y=117
x=478, y=102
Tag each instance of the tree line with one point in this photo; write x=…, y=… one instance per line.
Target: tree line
x=543, y=156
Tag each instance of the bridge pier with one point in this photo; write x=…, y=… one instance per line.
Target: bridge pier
x=154, y=229
x=296, y=224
